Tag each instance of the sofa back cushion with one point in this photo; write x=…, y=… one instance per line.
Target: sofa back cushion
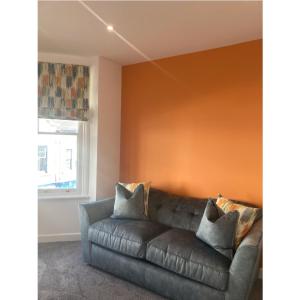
x=176, y=211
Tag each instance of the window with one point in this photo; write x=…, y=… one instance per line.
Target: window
x=42, y=152
x=62, y=157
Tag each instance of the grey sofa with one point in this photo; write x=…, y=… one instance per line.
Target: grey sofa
x=163, y=254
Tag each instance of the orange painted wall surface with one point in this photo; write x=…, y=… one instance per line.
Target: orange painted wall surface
x=198, y=132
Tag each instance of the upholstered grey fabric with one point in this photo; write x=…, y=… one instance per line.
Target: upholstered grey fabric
x=176, y=211
x=126, y=236
x=129, y=205
x=180, y=211
x=184, y=213
x=245, y=264
x=218, y=229
x=179, y=251
x=89, y=214
x=159, y=280
x=62, y=275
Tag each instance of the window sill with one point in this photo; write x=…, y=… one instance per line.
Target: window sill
x=63, y=197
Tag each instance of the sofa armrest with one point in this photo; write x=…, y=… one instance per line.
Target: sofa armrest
x=90, y=213
x=245, y=265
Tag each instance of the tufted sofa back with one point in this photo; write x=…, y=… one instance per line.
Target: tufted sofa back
x=180, y=211
x=176, y=211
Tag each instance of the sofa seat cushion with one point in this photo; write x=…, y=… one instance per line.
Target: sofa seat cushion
x=125, y=236
x=179, y=250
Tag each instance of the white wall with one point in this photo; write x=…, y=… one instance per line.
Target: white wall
x=109, y=111
x=58, y=219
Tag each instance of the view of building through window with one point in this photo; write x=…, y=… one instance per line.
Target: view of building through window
x=42, y=154
x=57, y=154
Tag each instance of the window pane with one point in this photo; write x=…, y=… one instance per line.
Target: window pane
x=58, y=126
x=57, y=161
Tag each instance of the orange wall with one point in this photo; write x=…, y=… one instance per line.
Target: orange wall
x=197, y=132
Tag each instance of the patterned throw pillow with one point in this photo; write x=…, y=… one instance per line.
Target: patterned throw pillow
x=247, y=217
x=132, y=186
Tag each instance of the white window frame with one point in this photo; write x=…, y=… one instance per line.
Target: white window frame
x=81, y=169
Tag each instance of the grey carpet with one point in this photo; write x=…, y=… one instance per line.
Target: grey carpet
x=62, y=275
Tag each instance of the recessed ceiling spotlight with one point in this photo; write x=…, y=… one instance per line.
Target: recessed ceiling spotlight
x=110, y=28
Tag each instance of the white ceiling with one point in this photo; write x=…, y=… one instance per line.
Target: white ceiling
x=157, y=29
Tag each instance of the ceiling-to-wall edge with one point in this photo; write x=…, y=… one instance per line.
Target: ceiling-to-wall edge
x=157, y=60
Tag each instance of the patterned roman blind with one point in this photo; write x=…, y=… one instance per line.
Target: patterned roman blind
x=63, y=91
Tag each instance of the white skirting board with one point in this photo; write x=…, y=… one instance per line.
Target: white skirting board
x=60, y=237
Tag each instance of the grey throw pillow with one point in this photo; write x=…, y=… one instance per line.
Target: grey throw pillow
x=217, y=229
x=129, y=205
